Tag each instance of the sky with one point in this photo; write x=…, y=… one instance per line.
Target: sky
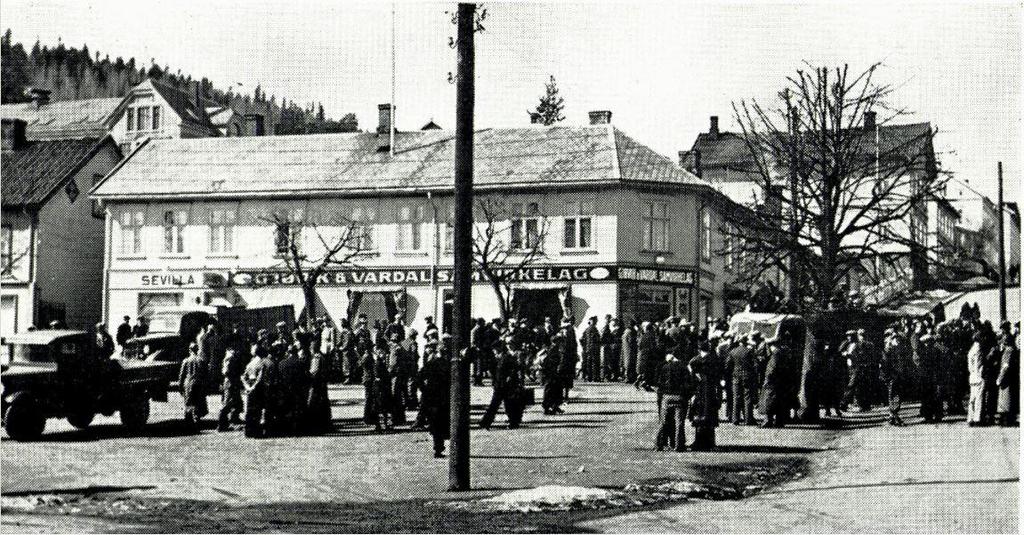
x=661, y=68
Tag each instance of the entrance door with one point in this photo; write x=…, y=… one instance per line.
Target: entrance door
x=535, y=305
x=8, y=315
x=377, y=306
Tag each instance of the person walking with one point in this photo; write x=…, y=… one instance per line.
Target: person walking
x=674, y=392
x=435, y=401
x=192, y=381
x=896, y=369
x=231, y=389
x=705, y=368
x=590, y=346
x=744, y=382
x=506, y=386
x=1008, y=380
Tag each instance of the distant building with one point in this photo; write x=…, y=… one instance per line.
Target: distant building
x=68, y=119
x=980, y=234
x=629, y=233
x=52, y=237
x=943, y=249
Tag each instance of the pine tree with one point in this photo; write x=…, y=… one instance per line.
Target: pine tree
x=551, y=104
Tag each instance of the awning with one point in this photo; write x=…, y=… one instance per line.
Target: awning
x=272, y=296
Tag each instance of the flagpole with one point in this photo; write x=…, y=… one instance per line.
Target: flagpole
x=391, y=141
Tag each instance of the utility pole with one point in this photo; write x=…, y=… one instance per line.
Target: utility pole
x=1002, y=251
x=458, y=460
x=793, y=294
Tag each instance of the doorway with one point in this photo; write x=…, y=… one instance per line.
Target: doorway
x=535, y=305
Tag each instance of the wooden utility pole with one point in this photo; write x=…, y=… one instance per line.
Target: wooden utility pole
x=458, y=460
x=793, y=294
x=1002, y=251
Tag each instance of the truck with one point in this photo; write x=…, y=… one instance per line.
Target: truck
x=61, y=374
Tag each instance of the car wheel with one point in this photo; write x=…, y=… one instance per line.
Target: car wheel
x=135, y=414
x=81, y=420
x=23, y=420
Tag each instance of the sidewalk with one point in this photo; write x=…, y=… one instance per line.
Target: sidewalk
x=925, y=478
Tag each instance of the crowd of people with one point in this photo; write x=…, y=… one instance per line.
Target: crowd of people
x=278, y=378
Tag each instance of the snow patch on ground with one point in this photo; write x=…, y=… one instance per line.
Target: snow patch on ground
x=568, y=498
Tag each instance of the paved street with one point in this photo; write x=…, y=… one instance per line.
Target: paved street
x=604, y=440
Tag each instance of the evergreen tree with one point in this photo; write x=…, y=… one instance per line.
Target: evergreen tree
x=551, y=104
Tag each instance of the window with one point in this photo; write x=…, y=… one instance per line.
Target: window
x=97, y=210
x=362, y=228
x=578, y=225
x=156, y=117
x=238, y=130
x=284, y=233
x=222, y=231
x=174, y=231
x=525, y=228
x=655, y=226
x=153, y=307
x=730, y=249
x=131, y=231
x=705, y=236
x=130, y=122
x=410, y=228
x=6, y=249
x=142, y=117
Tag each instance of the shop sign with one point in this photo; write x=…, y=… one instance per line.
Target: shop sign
x=412, y=276
x=669, y=276
x=168, y=279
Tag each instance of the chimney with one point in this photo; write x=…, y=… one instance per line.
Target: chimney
x=13, y=134
x=39, y=97
x=255, y=122
x=534, y=118
x=600, y=117
x=869, y=120
x=384, y=125
x=713, y=130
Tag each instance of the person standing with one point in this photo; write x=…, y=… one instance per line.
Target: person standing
x=294, y=390
x=605, y=356
x=124, y=332
x=192, y=381
x=613, y=364
x=368, y=364
x=231, y=389
x=629, y=352
x=505, y=387
x=104, y=343
x=258, y=378
x=722, y=351
x=550, y=376
x=382, y=392
x=1008, y=380
x=857, y=364
x=590, y=345
x=976, y=379
x=773, y=392
x=705, y=368
x=362, y=347
x=567, y=362
x=477, y=340
x=673, y=390
x=318, y=404
x=141, y=327
x=397, y=369
x=647, y=357
x=927, y=359
x=435, y=401
x=896, y=368
x=744, y=382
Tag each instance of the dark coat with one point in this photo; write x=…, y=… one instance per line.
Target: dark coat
x=647, y=355
x=124, y=333
x=1009, y=380
x=707, y=396
x=774, y=390
x=434, y=381
x=744, y=363
x=192, y=380
x=590, y=342
x=674, y=379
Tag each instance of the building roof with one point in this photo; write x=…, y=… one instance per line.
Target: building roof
x=182, y=103
x=66, y=119
x=728, y=149
x=32, y=173
x=357, y=163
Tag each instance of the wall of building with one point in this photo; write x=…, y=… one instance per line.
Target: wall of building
x=16, y=286
x=70, y=248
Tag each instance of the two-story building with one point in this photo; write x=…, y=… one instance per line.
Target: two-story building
x=624, y=230
x=52, y=238
x=943, y=249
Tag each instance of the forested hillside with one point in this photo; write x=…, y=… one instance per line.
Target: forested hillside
x=73, y=73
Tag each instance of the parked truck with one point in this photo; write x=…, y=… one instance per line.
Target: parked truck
x=60, y=374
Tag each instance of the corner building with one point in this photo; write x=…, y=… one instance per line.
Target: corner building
x=626, y=231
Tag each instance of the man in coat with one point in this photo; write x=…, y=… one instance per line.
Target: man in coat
x=647, y=357
x=674, y=391
x=774, y=403
x=744, y=382
x=928, y=361
x=259, y=380
x=435, y=401
x=192, y=381
x=897, y=367
x=293, y=390
x=104, y=343
x=231, y=390
x=124, y=332
x=507, y=383
x=550, y=376
x=362, y=346
x=629, y=348
x=705, y=368
x=590, y=345
x=569, y=359
x=1008, y=380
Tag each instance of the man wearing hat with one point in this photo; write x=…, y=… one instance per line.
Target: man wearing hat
x=896, y=368
x=773, y=392
x=124, y=332
x=192, y=381
x=590, y=344
x=104, y=343
x=859, y=386
x=433, y=381
x=928, y=363
x=744, y=382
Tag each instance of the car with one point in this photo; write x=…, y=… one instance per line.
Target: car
x=60, y=374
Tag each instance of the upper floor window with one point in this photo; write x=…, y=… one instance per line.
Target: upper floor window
x=655, y=226
x=6, y=249
x=174, y=230
x=97, y=210
x=363, y=219
x=156, y=117
x=578, y=225
x=143, y=117
x=288, y=231
x=729, y=247
x=130, y=119
x=410, y=228
x=222, y=230
x=705, y=243
x=131, y=231
x=526, y=226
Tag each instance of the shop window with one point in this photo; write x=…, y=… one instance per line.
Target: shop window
x=578, y=225
x=655, y=226
x=222, y=230
x=174, y=231
x=155, y=307
x=410, y=228
x=131, y=231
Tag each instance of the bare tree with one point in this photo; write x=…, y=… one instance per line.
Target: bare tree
x=338, y=243
x=844, y=194
x=506, y=243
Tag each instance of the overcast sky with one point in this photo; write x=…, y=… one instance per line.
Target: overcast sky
x=661, y=68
